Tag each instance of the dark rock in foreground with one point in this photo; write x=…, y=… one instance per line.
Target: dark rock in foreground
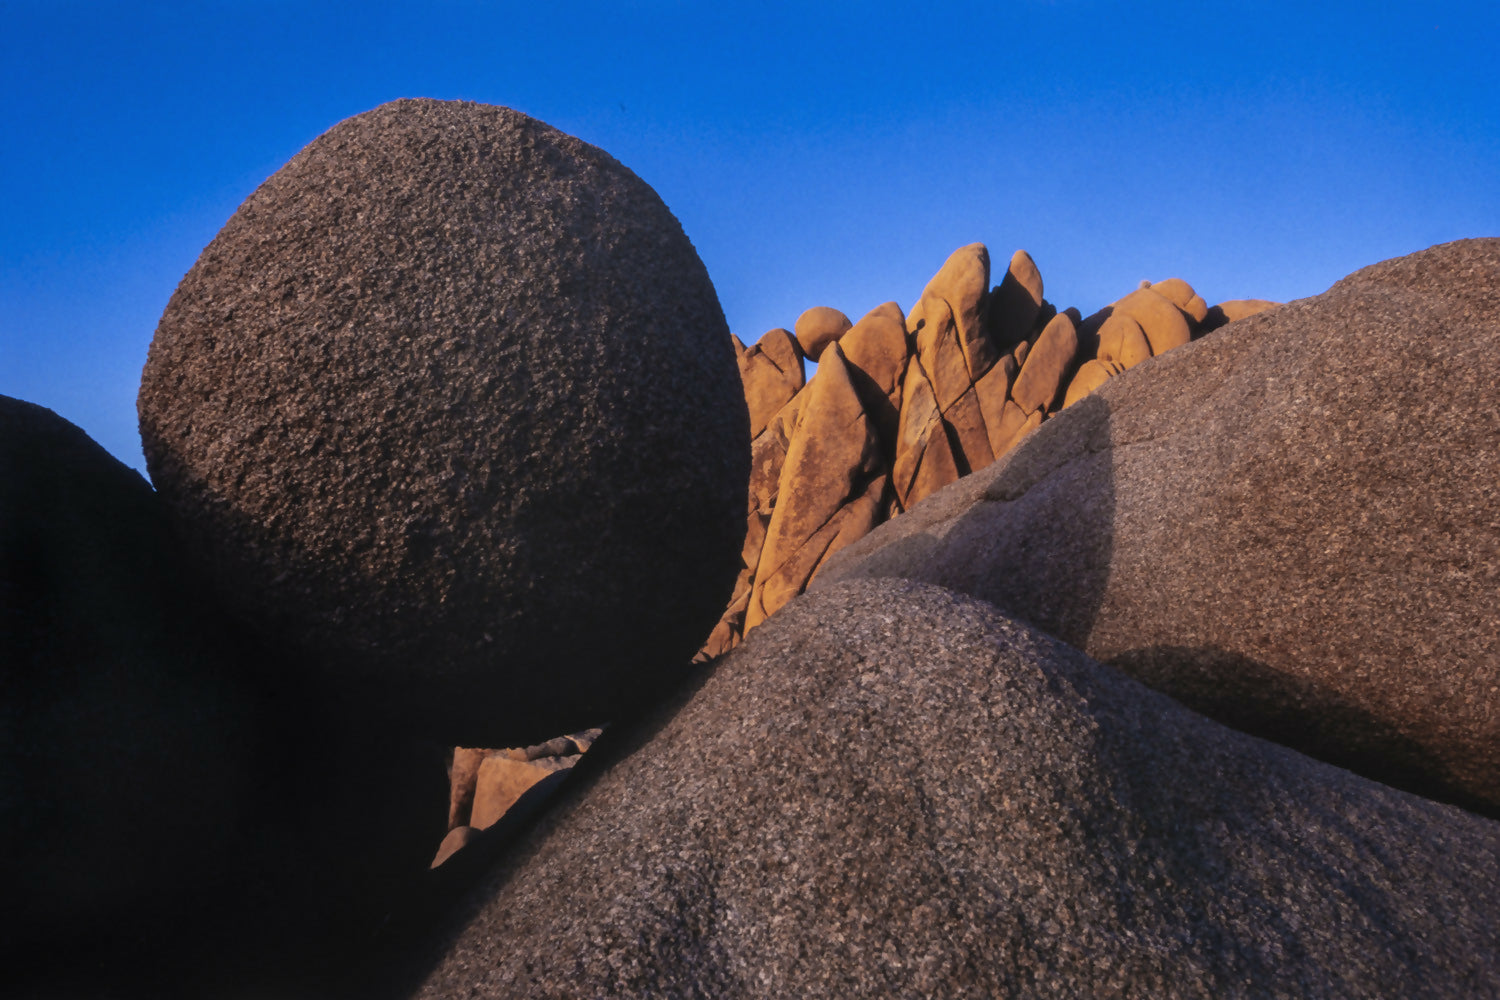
x=1292, y=526
x=444, y=404
x=180, y=813
x=128, y=743
x=892, y=790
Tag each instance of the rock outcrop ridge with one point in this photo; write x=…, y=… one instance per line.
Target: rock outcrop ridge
x=904, y=404
x=1272, y=527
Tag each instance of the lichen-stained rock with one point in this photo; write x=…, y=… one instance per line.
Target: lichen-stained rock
x=1327, y=580
x=420, y=411
x=770, y=375
x=818, y=327
x=1228, y=312
x=1122, y=341
x=996, y=816
x=832, y=458
x=924, y=456
x=1016, y=303
x=961, y=286
x=1039, y=386
x=1091, y=375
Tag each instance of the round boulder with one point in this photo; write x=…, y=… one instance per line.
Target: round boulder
x=818, y=327
x=444, y=404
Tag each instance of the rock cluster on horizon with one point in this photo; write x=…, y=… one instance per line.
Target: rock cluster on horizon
x=904, y=404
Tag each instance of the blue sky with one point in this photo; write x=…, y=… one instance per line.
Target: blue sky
x=817, y=155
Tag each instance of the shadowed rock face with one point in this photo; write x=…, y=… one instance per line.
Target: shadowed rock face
x=893, y=790
x=450, y=402
x=1291, y=527
x=180, y=811
x=127, y=741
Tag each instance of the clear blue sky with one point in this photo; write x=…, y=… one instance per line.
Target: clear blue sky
x=817, y=155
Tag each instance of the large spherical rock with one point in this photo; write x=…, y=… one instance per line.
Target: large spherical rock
x=450, y=401
x=894, y=791
x=1290, y=525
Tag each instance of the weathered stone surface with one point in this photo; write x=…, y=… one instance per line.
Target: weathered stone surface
x=1016, y=302
x=818, y=327
x=1091, y=375
x=993, y=392
x=1164, y=325
x=924, y=457
x=877, y=346
x=1228, y=312
x=1015, y=424
x=1272, y=529
x=1000, y=816
x=1040, y=383
x=770, y=375
x=421, y=409
x=941, y=355
x=1122, y=340
x=965, y=419
x=833, y=456
x=1181, y=295
x=961, y=286
x=876, y=350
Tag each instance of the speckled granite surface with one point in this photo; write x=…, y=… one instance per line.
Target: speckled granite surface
x=895, y=791
x=451, y=402
x=1292, y=525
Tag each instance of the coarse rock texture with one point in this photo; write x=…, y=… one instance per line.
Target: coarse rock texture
x=1291, y=526
x=450, y=403
x=945, y=390
x=893, y=790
